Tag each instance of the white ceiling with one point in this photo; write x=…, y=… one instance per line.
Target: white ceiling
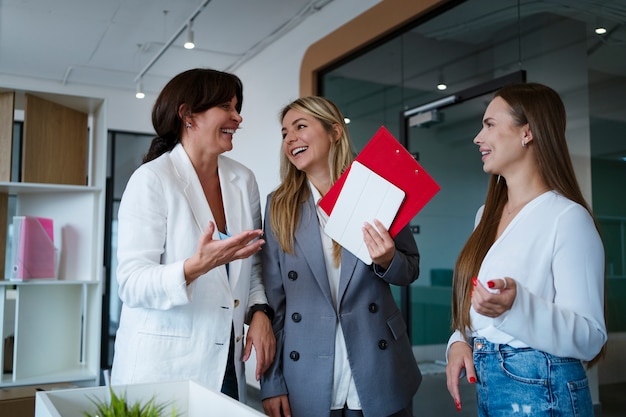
x=110, y=43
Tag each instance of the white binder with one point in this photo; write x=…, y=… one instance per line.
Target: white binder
x=364, y=197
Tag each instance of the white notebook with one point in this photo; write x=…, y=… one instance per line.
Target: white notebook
x=364, y=197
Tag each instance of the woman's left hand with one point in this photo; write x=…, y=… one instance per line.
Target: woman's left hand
x=493, y=304
x=380, y=244
x=261, y=336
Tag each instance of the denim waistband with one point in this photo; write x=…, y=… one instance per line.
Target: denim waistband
x=482, y=345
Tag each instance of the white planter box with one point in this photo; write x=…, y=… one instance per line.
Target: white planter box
x=189, y=398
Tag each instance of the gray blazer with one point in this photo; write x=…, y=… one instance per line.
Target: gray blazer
x=385, y=372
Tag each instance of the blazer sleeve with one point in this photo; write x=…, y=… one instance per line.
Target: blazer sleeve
x=405, y=265
x=272, y=382
x=257, y=290
x=142, y=229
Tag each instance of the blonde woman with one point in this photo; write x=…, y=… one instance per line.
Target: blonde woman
x=342, y=345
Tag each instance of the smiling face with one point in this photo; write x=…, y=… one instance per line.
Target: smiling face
x=500, y=140
x=216, y=126
x=306, y=142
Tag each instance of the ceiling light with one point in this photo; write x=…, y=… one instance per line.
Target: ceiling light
x=140, y=94
x=600, y=30
x=346, y=120
x=189, y=42
x=441, y=85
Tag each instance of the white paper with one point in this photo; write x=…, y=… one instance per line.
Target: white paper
x=365, y=196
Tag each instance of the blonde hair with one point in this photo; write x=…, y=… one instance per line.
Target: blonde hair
x=293, y=190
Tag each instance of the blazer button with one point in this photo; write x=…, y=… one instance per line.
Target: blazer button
x=382, y=344
x=373, y=308
x=236, y=303
x=239, y=339
x=292, y=275
x=297, y=317
x=294, y=356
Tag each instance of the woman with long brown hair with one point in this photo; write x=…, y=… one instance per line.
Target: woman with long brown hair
x=528, y=292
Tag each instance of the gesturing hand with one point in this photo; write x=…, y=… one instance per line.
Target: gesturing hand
x=212, y=253
x=493, y=304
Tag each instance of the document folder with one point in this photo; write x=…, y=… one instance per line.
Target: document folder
x=33, y=254
x=365, y=196
x=384, y=155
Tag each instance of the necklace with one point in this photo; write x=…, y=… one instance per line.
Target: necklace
x=511, y=211
x=520, y=206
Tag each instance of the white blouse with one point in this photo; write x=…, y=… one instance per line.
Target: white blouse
x=554, y=252
x=344, y=389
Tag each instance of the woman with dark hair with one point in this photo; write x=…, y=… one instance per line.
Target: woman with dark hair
x=189, y=234
x=528, y=292
x=342, y=345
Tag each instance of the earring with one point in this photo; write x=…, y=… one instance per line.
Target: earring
x=188, y=125
x=523, y=142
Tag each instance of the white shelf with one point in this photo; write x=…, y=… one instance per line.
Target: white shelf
x=55, y=324
x=15, y=188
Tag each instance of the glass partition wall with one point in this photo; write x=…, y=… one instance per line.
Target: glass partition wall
x=472, y=44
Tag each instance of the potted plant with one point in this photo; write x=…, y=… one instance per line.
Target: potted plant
x=118, y=406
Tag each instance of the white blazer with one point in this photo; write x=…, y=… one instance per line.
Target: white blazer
x=168, y=330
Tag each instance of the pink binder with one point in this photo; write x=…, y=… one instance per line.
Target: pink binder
x=33, y=251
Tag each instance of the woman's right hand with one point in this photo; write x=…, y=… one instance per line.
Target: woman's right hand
x=213, y=253
x=277, y=406
x=460, y=359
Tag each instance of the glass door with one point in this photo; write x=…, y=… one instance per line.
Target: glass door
x=440, y=135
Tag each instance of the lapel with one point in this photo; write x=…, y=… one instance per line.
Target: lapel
x=348, y=265
x=308, y=239
x=234, y=208
x=191, y=188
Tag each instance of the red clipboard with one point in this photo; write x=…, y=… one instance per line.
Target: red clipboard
x=384, y=155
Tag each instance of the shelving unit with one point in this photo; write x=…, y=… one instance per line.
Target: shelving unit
x=51, y=327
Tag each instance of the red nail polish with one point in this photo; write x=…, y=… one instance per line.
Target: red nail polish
x=491, y=284
x=472, y=380
x=474, y=281
x=458, y=405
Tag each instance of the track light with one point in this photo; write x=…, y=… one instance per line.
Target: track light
x=140, y=94
x=189, y=42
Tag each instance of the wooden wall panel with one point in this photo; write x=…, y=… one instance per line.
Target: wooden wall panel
x=365, y=29
x=55, y=147
x=7, y=103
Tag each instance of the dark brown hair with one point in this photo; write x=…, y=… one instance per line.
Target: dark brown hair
x=190, y=92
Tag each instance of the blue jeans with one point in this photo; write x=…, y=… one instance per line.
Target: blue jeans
x=528, y=382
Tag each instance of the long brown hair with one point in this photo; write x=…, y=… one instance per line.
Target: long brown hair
x=194, y=91
x=542, y=108
x=293, y=190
